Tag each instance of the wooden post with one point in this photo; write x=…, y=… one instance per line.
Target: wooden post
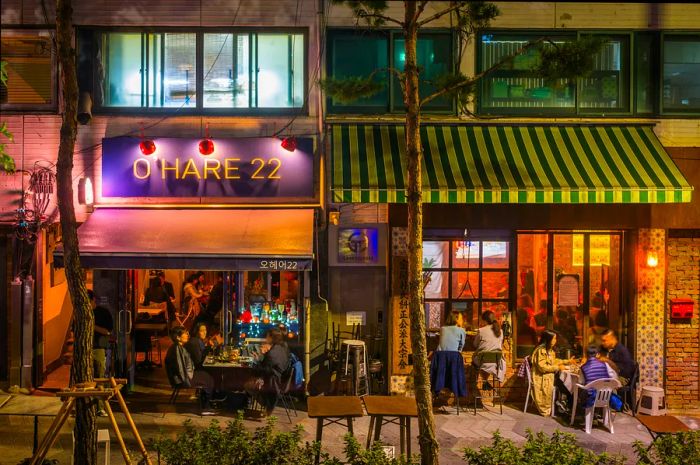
x=125, y=410
x=51, y=438
x=118, y=433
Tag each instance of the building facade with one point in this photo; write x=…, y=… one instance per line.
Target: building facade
x=563, y=205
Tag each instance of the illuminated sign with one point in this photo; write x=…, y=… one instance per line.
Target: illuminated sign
x=248, y=168
x=358, y=245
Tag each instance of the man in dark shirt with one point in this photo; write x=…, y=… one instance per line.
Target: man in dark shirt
x=613, y=351
x=170, y=291
x=100, y=341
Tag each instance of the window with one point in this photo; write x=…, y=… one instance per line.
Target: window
x=469, y=277
x=646, y=73
x=382, y=50
x=681, y=68
x=515, y=88
x=241, y=72
x=30, y=70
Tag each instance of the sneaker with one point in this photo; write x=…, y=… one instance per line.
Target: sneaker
x=563, y=408
x=208, y=413
x=101, y=413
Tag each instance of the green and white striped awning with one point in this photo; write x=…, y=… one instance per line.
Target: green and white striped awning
x=507, y=164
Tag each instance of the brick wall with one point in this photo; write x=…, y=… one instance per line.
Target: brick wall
x=683, y=336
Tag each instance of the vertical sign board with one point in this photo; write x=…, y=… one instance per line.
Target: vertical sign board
x=400, y=321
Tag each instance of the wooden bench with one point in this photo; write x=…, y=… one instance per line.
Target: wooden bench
x=333, y=410
x=391, y=409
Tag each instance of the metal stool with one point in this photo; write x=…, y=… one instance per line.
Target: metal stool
x=359, y=365
x=652, y=401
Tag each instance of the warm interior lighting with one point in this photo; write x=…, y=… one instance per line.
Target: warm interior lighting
x=147, y=146
x=86, y=194
x=289, y=143
x=206, y=146
x=652, y=259
x=599, y=249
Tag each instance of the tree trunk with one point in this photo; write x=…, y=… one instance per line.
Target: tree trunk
x=414, y=152
x=85, y=431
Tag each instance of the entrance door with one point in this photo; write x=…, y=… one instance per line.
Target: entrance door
x=125, y=357
x=584, y=298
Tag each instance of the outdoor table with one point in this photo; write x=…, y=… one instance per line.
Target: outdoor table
x=333, y=410
x=660, y=425
x=229, y=376
x=30, y=406
x=390, y=409
x=569, y=379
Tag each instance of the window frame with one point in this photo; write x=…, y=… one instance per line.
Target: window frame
x=661, y=62
x=199, y=109
x=392, y=106
x=34, y=107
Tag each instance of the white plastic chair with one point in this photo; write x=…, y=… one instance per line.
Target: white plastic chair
x=604, y=389
x=530, y=392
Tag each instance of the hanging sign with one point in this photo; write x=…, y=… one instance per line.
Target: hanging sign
x=249, y=170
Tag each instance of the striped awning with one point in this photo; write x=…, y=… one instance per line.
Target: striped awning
x=507, y=164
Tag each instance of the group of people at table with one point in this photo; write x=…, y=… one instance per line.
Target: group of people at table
x=610, y=359
x=185, y=365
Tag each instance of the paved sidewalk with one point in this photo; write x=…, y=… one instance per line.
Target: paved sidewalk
x=155, y=417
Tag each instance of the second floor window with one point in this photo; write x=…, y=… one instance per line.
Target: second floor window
x=242, y=72
x=30, y=70
x=681, y=74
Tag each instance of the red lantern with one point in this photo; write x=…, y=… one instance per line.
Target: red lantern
x=147, y=147
x=206, y=146
x=289, y=143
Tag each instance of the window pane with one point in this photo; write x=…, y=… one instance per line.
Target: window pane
x=280, y=77
x=436, y=283
x=531, y=308
x=604, y=292
x=568, y=291
x=180, y=74
x=470, y=313
x=434, y=54
x=646, y=72
x=681, y=71
x=606, y=87
x=465, y=254
x=375, y=51
x=499, y=308
x=515, y=86
x=29, y=64
x=122, y=69
x=465, y=285
x=435, y=254
x=494, y=285
x=226, y=70
x=495, y=255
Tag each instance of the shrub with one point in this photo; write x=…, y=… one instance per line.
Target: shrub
x=670, y=449
x=358, y=455
x=539, y=449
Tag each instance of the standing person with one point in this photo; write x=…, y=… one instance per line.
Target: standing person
x=544, y=366
x=617, y=356
x=489, y=338
x=170, y=292
x=216, y=302
x=181, y=369
x=100, y=342
x=452, y=335
x=275, y=362
x=191, y=296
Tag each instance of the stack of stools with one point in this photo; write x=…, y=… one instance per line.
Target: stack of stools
x=652, y=401
x=355, y=354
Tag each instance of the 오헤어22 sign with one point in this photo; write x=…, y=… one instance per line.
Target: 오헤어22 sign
x=257, y=169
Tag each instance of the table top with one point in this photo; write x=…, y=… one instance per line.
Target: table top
x=225, y=365
x=663, y=424
x=24, y=405
x=399, y=406
x=334, y=406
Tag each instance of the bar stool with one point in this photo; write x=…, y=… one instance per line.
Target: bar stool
x=359, y=365
x=652, y=401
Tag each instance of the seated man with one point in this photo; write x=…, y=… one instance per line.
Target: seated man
x=617, y=356
x=595, y=368
x=181, y=370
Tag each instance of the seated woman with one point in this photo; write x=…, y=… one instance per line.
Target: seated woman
x=489, y=338
x=181, y=369
x=544, y=366
x=199, y=346
x=274, y=363
x=452, y=336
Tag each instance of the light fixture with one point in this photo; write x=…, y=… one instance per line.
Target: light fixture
x=147, y=146
x=86, y=194
x=206, y=146
x=652, y=259
x=289, y=143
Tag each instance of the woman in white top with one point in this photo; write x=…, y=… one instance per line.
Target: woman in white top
x=489, y=338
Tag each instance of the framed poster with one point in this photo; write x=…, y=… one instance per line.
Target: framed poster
x=568, y=295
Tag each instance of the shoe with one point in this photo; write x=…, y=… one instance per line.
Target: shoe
x=208, y=413
x=101, y=413
x=562, y=406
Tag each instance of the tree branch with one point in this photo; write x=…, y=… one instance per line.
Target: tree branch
x=481, y=75
x=439, y=14
x=364, y=14
x=420, y=9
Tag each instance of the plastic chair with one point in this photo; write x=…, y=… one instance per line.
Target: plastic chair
x=493, y=356
x=603, y=390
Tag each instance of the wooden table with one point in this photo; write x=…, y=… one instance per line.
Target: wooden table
x=660, y=425
x=30, y=406
x=333, y=410
x=230, y=377
x=390, y=409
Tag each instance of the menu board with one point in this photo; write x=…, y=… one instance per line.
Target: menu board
x=568, y=291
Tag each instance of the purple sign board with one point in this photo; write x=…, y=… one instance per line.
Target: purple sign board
x=247, y=170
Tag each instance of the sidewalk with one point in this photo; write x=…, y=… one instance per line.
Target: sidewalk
x=155, y=417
